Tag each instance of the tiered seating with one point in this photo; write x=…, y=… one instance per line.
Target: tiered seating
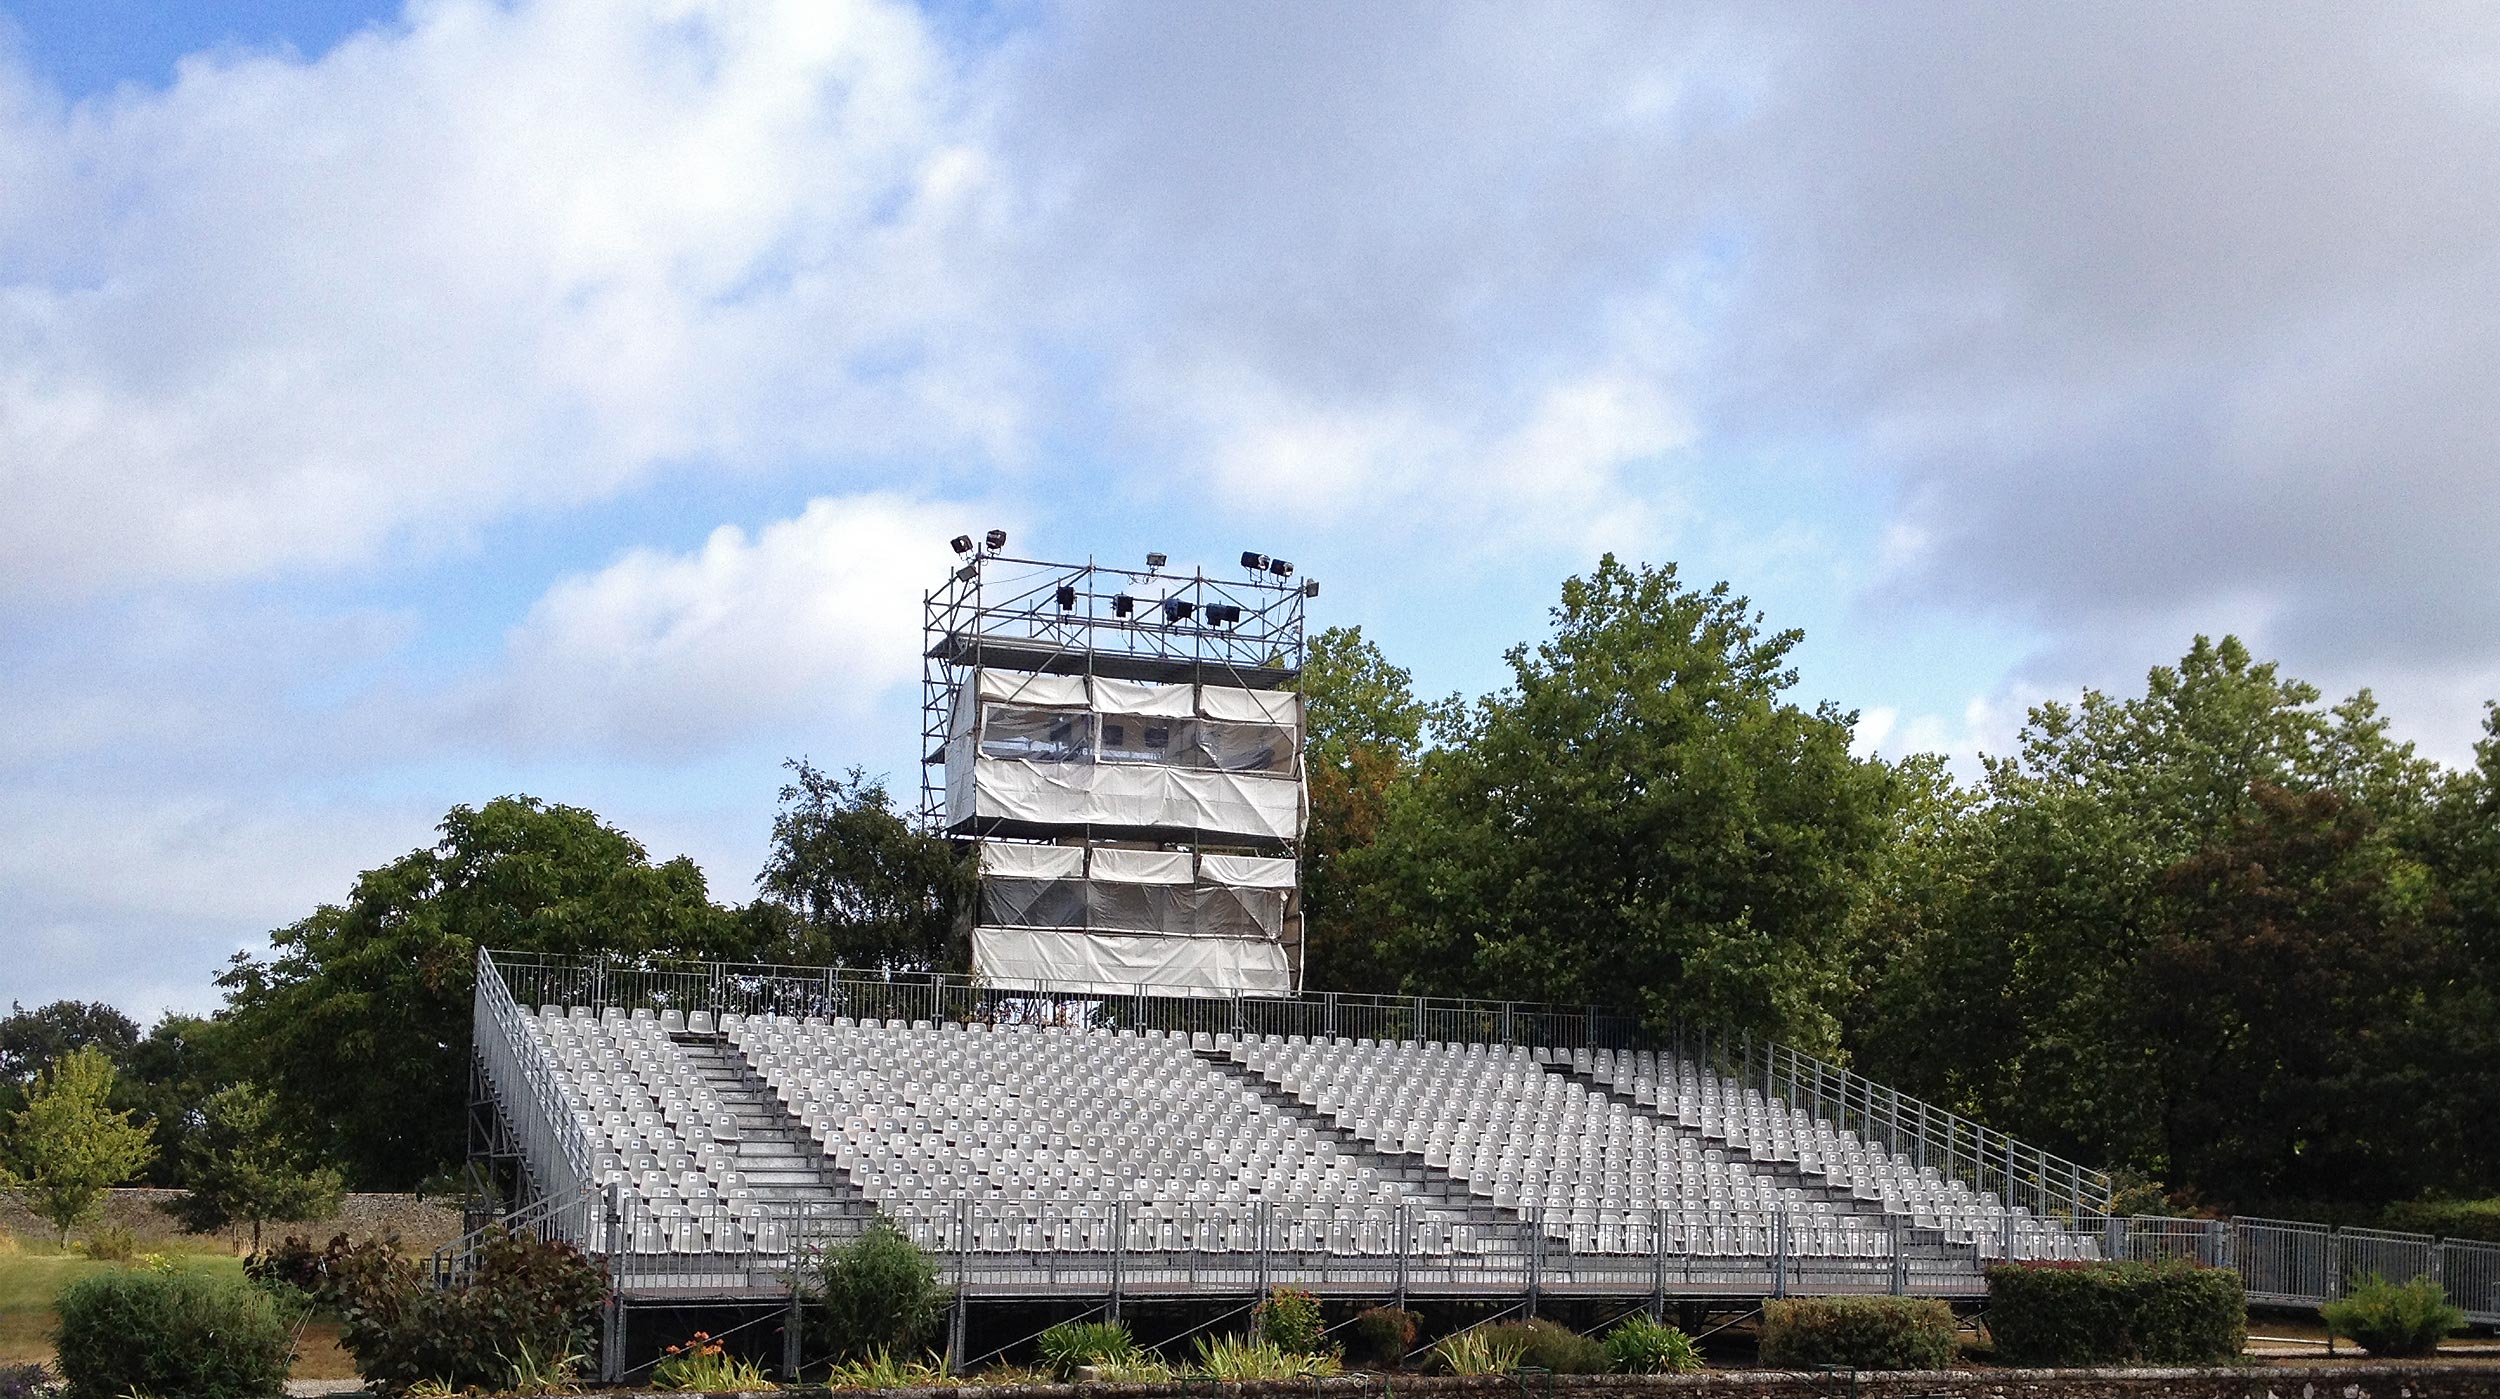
x=657, y=1131
x=1717, y=1108
x=1065, y=1124
x=1525, y=1138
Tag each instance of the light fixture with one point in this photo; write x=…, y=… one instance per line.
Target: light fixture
x=962, y=544
x=1066, y=596
x=997, y=539
x=1122, y=604
x=1155, y=559
x=966, y=573
x=1310, y=588
x=1280, y=568
x=1223, y=614
x=1252, y=560
x=1178, y=609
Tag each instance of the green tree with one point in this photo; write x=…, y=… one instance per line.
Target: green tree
x=168, y=1077
x=850, y=883
x=242, y=1163
x=68, y=1145
x=31, y=1040
x=1641, y=815
x=359, y=1022
x=1363, y=731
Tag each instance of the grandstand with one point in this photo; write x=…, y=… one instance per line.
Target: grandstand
x=701, y=1128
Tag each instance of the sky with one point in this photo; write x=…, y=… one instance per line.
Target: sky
x=406, y=406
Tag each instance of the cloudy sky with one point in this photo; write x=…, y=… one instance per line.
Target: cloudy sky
x=401, y=406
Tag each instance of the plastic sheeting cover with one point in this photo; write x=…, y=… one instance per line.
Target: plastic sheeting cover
x=1144, y=698
x=1141, y=867
x=1032, y=688
x=1133, y=795
x=1114, y=963
x=1251, y=706
x=1018, y=860
x=1256, y=872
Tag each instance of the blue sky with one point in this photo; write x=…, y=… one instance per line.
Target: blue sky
x=401, y=407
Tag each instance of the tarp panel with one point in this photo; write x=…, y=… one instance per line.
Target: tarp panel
x=1143, y=698
x=1112, y=863
x=1015, y=859
x=1032, y=688
x=1236, y=802
x=1135, y=795
x=1115, y=963
x=1134, y=738
x=1255, y=872
x=1033, y=903
x=1227, y=911
x=1042, y=736
x=1245, y=748
x=1251, y=706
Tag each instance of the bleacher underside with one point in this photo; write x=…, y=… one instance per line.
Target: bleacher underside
x=703, y=1129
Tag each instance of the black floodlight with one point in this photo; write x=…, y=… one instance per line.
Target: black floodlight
x=1254, y=561
x=1067, y=596
x=997, y=539
x=1178, y=609
x=962, y=544
x=967, y=571
x=1310, y=588
x=1223, y=614
x=1156, y=559
x=1122, y=605
x=1280, y=568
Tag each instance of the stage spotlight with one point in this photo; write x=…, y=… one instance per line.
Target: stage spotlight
x=1122, y=605
x=1222, y=614
x=1310, y=588
x=1280, y=568
x=997, y=539
x=962, y=544
x=1178, y=609
x=1253, y=560
x=1156, y=559
x=965, y=574
x=1067, y=596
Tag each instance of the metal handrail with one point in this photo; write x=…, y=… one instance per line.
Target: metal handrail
x=554, y=1143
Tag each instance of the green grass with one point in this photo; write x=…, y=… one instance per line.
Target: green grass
x=33, y=1274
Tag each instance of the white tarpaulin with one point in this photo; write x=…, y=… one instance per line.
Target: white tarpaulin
x=1143, y=698
x=1251, y=706
x=1132, y=795
x=1255, y=872
x=1033, y=688
x=1115, y=963
x=1017, y=860
x=1141, y=867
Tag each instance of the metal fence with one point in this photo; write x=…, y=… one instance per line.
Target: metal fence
x=1988, y=1161
x=2294, y=1263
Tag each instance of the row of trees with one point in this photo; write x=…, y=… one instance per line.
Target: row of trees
x=2222, y=932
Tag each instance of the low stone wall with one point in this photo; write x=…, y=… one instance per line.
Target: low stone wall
x=420, y=1225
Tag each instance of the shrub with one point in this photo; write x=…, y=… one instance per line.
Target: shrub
x=1073, y=1344
x=1258, y=1359
x=1550, y=1346
x=2456, y=1220
x=2172, y=1312
x=877, y=1292
x=150, y=1332
x=31, y=1380
x=2394, y=1319
x=1478, y=1351
x=878, y=1369
x=1290, y=1318
x=701, y=1363
x=1381, y=1336
x=114, y=1244
x=1863, y=1334
x=522, y=1320
x=1642, y=1346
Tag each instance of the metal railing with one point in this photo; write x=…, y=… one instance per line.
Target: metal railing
x=555, y=1148
x=2296, y=1263
x=1986, y=1160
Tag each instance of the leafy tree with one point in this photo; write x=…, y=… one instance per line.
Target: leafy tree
x=850, y=882
x=1363, y=731
x=168, y=1078
x=31, y=1040
x=243, y=1164
x=1640, y=815
x=359, y=1022
x=68, y=1145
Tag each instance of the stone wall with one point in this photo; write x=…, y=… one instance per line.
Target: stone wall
x=420, y=1225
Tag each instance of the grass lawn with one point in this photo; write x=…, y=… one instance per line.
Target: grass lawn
x=33, y=1274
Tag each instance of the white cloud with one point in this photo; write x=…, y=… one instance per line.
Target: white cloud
x=495, y=257
x=815, y=618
